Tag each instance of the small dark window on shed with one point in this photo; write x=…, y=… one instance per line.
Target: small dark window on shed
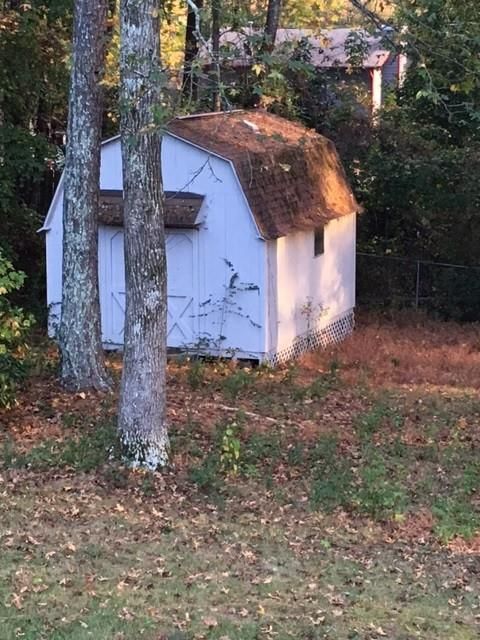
x=319, y=242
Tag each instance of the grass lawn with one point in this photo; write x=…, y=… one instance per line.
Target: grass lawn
x=334, y=498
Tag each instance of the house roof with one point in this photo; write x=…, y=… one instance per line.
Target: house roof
x=181, y=209
x=328, y=47
x=292, y=177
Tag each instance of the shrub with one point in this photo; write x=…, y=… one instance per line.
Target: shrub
x=223, y=460
x=230, y=450
x=14, y=326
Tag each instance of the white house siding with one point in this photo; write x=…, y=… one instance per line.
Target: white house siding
x=377, y=90
x=307, y=293
x=227, y=232
x=390, y=73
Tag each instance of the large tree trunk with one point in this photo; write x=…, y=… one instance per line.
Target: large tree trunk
x=82, y=364
x=190, y=79
x=142, y=420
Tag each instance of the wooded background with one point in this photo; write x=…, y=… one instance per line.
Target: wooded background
x=415, y=170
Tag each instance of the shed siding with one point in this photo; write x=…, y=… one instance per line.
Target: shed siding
x=111, y=176
x=227, y=233
x=54, y=262
x=311, y=292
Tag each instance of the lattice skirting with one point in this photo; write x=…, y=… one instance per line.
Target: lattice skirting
x=333, y=333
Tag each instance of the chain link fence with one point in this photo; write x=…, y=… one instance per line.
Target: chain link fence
x=449, y=290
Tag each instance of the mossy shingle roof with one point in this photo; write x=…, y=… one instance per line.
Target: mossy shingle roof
x=292, y=177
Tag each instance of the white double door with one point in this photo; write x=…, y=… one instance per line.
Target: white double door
x=182, y=290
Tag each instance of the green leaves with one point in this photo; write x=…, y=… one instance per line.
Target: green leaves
x=418, y=173
x=14, y=326
x=443, y=45
x=230, y=450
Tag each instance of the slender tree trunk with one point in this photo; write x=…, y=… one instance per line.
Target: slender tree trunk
x=274, y=10
x=190, y=79
x=142, y=420
x=82, y=364
x=3, y=7
x=2, y=122
x=216, y=72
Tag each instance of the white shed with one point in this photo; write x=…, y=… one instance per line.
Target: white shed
x=260, y=238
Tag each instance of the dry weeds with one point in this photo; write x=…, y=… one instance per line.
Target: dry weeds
x=409, y=350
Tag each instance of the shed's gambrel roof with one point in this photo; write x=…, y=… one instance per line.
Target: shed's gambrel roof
x=292, y=177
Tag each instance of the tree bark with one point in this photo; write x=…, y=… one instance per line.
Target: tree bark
x=274, y=10
x=82, y=363
x=142, y=419
x=216, y=72
x=190, y=80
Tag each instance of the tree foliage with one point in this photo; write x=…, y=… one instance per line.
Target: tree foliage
x=34, y=46
x=14, y=327
x=442, y=39
x=417, y=171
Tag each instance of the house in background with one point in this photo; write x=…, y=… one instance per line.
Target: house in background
x=260, y=233
x=348, y=55
x=347, y=51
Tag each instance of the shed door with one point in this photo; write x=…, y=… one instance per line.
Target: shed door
x=182, y=305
